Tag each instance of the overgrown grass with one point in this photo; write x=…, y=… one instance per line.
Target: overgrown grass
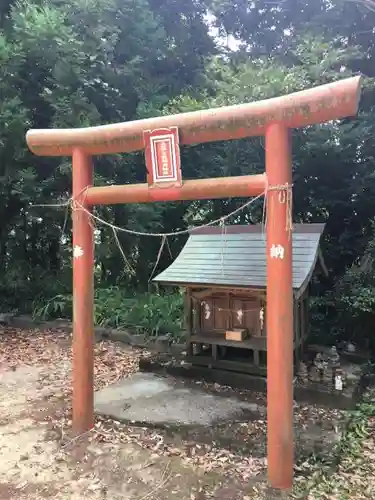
x=150, y=314
x=333, y=479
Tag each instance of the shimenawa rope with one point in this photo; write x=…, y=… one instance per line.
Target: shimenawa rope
x=285, y=197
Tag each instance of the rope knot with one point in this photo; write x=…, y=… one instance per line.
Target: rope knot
x=285, y=197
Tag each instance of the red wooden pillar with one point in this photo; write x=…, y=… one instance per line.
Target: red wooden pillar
x=279, y=310
x=83, y=292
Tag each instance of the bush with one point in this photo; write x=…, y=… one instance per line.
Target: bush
x=355, y=299
x=151, y=314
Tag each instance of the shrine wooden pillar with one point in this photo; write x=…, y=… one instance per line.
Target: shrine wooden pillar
x=279, y=316
x=83, y=295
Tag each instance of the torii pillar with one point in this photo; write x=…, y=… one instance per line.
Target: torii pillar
x=272, y=118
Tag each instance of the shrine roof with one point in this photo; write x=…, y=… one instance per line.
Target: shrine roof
x=236, y=257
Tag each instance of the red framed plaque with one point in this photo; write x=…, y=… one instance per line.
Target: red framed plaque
x=162, y=152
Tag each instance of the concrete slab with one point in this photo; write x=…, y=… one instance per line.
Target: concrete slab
x=149, y=398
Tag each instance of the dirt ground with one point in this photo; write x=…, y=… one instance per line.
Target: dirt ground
x=39, y=459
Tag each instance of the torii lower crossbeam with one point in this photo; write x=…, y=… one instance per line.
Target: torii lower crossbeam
x=273, y=119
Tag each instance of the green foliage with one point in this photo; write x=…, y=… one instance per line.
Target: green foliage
x=91, y=62
x=324, y=478
x=151, y=314
x=354, y=294
x=357, y=429
x=88, y=62
x=59, y=306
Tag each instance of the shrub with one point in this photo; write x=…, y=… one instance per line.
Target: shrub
x=151, y=314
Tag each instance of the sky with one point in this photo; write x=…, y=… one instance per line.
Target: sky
x=228, y=42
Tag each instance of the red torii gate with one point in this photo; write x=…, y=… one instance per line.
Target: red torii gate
x=272, y=118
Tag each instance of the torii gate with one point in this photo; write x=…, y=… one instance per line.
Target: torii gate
x=160, y=137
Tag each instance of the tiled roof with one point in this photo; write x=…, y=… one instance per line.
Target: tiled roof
x=237, y=257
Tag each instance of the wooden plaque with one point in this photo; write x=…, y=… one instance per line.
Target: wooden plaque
x=162, y=154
